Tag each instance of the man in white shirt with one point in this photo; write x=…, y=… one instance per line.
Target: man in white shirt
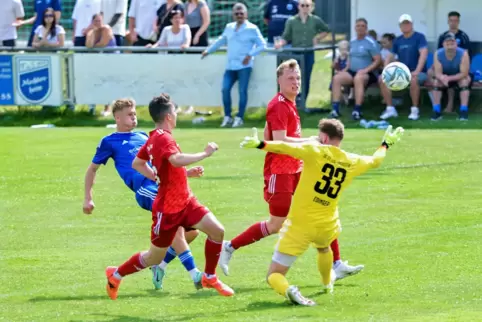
x=115, y=14
x=142, y=15
x=10, y=12
x=82, y=15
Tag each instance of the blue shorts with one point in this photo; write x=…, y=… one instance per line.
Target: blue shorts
x=146, y=194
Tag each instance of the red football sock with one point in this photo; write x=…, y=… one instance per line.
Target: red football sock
x=133, y=265
x=250, y=235
x=212, y=250
x=336, y=250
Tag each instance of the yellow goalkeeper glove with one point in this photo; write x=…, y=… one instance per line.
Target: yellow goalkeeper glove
x=252, y=141
x=392, y=137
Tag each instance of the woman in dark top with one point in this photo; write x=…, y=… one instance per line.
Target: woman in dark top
x=198, y=18
x=164, y=15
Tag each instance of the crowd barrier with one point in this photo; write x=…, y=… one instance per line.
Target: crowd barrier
x=80, y=75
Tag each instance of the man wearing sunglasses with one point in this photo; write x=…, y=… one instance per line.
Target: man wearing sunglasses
x=244, y=42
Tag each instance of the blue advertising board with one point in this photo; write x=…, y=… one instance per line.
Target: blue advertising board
x=6, y=81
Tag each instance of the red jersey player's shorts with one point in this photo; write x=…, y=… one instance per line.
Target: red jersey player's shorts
x=164, y=226
x=278, y=191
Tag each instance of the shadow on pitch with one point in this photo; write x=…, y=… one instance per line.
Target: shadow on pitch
x=121, y=318
x=149, y=293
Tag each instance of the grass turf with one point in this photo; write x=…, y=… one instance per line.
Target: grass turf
x=414, y=223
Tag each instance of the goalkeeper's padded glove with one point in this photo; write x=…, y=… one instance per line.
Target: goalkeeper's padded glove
x=251, y=142
x=392, y=137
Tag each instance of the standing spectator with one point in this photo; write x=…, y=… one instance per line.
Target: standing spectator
x=176, y=35
x=115, y=12
x=198, y=19
x=164, y=15
x=451, y=65
x=364, y=62
x=11, y=11
x=411, y=49
x=40, y=6
x=82, y=15
x=304, y=30
x=276, y=13
x=142, y=15
x=463, y=42
x=49, y=33
x=244, y=41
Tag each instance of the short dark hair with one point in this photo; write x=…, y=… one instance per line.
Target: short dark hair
x=362, y=20
x=160, y=106
x=454, y=14
x=389, y=36
x=333, y=128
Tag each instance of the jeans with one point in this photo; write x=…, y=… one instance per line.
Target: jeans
x=230, y=77
x=306, y=74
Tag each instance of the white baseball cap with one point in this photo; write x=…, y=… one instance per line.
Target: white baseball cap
x=405, y=17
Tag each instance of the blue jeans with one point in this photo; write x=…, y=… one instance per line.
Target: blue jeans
x=306, y=74
x=230, y=77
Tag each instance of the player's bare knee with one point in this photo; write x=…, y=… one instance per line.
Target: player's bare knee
x=217, y=234
x=274, y=224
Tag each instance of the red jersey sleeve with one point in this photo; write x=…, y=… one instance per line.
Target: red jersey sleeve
x=168, y=147
x=278, y=117
x=142, y=153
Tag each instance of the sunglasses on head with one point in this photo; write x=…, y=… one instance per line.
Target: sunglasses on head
x=48, y=15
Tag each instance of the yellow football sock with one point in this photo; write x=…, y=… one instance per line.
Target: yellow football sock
x=279, y=283
x=325, y=264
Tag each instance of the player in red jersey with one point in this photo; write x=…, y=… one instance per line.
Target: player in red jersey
x=175, y=205
x=281, y=172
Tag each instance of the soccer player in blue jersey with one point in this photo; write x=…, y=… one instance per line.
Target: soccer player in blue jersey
x=122, y=146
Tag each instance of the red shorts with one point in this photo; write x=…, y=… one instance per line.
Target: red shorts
x=164, y=226
x=278, y=192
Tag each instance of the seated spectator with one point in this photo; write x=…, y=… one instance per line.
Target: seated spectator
x=176, y=35
x=364, y=61
x=198, y=18
x=387, y=45
x=99, y=35
x=164, y=15
x=11, y=13
x=451, y=66
x=463, y=42
x=372, y=33
x=49, y=33
x=411, y=49
x=341, y=63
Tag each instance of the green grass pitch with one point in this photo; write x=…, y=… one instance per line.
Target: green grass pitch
x=414, y=223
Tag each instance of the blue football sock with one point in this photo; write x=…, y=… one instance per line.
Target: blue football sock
x=187, y=260
x=437, y=108
x=336, y=107
x=357, y=108
x=170, y=255
x=464, y=108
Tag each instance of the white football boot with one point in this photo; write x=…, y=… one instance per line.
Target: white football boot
x=342, y=270
x=225, y=257
x=294, y=296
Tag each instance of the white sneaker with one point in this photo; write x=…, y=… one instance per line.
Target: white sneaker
x=343, y=270
x=389, y=112
x=238, y=122
x=293, y=294
x=226, y=121
x=225, y=257
x=414, y=113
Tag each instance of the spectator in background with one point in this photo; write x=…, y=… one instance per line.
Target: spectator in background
x=198, y=18
x=244, y=41
x=142, y=15
x=276, y=13
x=304, y=30
x=364, y=62
x=164, y=15
x=372, y=33
x=98, y=34
x=176, y=35
x=115, y=12
x=40, y=6
x=11, y=12
x=49, y=33
x=451, y=65
x=463, y=42
x=411, y=49
x=82, y=15
x=387, y=44
x=341, y=63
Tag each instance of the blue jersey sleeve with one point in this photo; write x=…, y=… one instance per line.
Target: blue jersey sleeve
x=103, y=152
x=56, y=5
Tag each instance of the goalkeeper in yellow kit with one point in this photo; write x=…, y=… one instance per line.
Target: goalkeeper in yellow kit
x=313, y=217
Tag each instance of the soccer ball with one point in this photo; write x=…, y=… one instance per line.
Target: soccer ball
x=396, y=76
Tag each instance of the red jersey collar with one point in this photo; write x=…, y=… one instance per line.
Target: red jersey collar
x=158, y=131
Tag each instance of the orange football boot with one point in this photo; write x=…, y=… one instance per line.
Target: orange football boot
x=219, y=286
x=112, y=283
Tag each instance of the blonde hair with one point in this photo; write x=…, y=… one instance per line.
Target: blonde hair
x=288, y=64
x=120, y=104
